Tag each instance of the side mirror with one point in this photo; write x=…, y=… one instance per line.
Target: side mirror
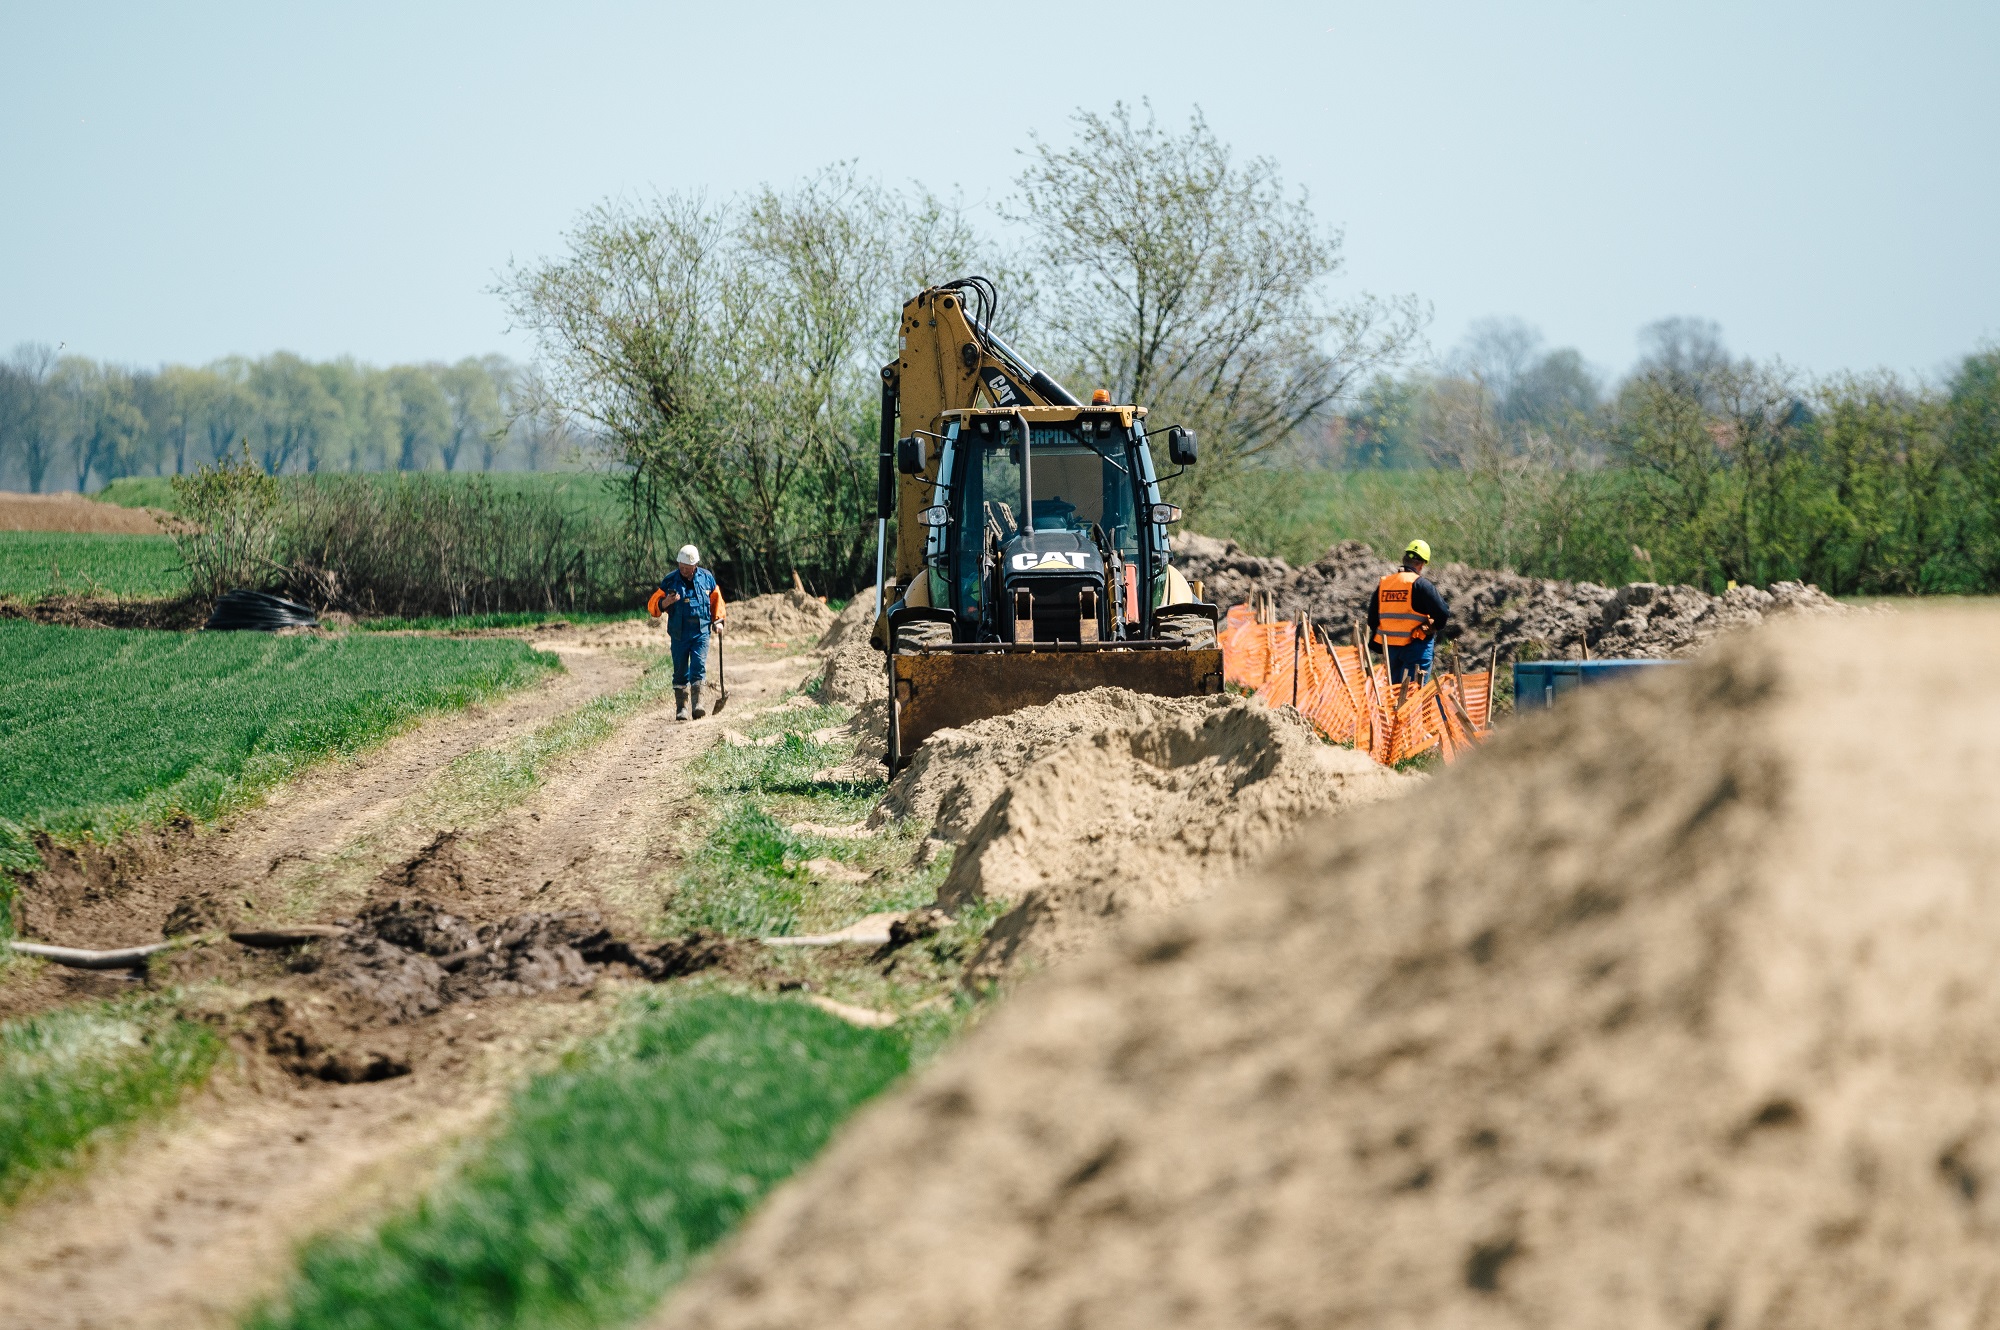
x=1166, y=514
x=935, y=515
x=1180, y=446
x=912, y=456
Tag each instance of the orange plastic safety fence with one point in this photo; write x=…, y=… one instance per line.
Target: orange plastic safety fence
x=1456, y=737
x=1252, y=650
x=1349, y=703
x=1262, y=652
x=1478, y=698
x=1413, y=733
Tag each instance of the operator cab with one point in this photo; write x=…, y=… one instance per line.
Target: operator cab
x=1065, y=541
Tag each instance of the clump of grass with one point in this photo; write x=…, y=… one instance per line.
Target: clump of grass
x=68, y=1078
x=746, y=878
x=609, y=1176
x=746, y=875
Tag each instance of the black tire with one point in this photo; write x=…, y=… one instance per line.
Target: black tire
x=1192, y=632
x=921, y=635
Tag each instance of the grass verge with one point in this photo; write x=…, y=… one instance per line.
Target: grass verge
x=754, y=868
x=34, y=564
x=70, y=1078
x=609, y=1176
x=102, y=730
x=748, y=874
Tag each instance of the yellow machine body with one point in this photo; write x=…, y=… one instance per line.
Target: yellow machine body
x=950, y=375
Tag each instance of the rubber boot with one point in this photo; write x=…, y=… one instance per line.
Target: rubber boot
x=699, y=709
x=680, y=704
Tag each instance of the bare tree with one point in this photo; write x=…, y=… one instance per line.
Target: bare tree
x=1180, y=279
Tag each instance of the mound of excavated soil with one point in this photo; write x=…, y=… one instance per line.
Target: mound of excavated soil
x=1110, y=804
x=784, y=616
x=1673, y=1007
x=1141, y=818
x=854, y=672
x=957, y=774
x=73, y=512
x=1500, y=609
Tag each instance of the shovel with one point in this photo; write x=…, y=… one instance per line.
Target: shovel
x=721, y=676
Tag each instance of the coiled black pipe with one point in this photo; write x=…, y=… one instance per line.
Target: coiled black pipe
x=258, y=611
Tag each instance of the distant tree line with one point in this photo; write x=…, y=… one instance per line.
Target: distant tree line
x=67, y=422
x=1698, y=466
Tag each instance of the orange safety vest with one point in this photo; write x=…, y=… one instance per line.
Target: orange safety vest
x=1400, y=624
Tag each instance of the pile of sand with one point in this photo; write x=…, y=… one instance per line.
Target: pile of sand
x=791, y=617
x=853, y=672
x=73, y=512
x=955, y=776
x=1110, y=804
x=1674, y=1007
x=1500, y=610
x=1140, y=818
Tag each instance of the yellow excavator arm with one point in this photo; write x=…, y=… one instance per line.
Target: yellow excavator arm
x=948, y=360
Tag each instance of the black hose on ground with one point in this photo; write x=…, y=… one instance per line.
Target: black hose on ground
x=258, y=611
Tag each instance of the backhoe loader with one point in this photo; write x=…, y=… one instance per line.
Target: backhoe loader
x=1031, y=538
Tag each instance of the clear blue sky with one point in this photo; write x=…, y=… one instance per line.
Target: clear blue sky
x=183, y=182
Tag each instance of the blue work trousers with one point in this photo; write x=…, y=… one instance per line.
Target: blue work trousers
x=1410, y=663
x=690, y=657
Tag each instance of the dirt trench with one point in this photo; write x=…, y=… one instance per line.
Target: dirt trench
x=341, y=1102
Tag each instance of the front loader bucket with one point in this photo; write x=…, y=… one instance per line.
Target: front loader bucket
x=934, y=690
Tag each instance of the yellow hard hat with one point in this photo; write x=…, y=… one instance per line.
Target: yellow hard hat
x=1420, y=548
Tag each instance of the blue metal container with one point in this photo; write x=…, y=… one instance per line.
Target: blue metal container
x=1537, y=683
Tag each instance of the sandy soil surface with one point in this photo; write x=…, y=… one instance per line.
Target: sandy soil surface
x=73, y=512
x=359, y=1062
x=1673, y=1007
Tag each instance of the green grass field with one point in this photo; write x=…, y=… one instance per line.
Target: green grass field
x=609, y=1176
x=70, y=1078
x=101, y=729
x=40, y=563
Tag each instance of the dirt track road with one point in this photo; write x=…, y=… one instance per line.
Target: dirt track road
x=194, y=1219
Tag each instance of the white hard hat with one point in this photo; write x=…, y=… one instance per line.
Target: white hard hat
x=688, y=554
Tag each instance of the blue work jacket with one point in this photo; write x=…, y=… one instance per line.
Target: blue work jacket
x=689, y=616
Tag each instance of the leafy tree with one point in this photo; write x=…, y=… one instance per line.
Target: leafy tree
x=420, y=413
x=104, y=421
x=295, y=414
x=727, y=353
x=1381, y=430
x=472, y=400
x=31, y=423
x=1972, y=440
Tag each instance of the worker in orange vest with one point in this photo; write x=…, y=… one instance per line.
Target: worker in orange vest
x=1407, y=616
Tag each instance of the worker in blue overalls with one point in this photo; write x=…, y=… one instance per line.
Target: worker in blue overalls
x=692, y=604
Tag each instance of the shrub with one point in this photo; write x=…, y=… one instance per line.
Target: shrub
x=228, y=526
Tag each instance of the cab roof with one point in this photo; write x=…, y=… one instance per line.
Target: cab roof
x=1047, y=415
